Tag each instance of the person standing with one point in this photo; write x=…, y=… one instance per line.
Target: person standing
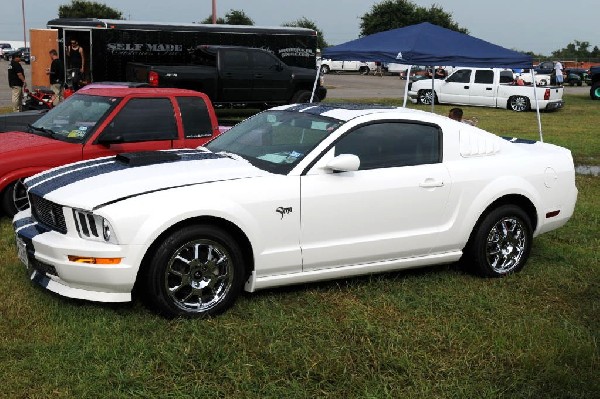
x=76, y=61
x=558, y=70
x=56, y=73
x=16, y=81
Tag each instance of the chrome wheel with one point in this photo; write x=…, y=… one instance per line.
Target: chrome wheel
x=425, y=97
x=19, y=195
x=506, y=245
x=519, y=103
x=199, y=275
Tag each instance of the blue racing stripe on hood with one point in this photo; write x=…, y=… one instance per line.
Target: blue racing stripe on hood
x=108, y=165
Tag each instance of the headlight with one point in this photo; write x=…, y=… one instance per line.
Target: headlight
x=93, y=227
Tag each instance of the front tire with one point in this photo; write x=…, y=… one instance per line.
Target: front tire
x=14, y=198
x=425, y=97
x=303, y=96
x=197, y=271
x=501, y=243
x=519, y=104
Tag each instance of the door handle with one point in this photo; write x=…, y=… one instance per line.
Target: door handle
x=466, y=87
x=259, y=75
x=431, y=183
x=488, y=88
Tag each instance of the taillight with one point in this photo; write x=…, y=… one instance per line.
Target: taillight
x=153, y=79
x=547, y=94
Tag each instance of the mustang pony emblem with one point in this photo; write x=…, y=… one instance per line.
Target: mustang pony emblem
x=283, y=211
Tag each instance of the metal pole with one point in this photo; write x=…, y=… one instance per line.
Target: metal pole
x=24, y=30
x=214, y=11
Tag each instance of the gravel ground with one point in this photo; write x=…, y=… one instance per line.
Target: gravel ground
x=339, y=85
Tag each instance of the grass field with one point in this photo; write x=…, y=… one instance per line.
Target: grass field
x=429, y=333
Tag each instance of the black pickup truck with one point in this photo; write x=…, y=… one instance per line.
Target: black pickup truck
x=232, y=75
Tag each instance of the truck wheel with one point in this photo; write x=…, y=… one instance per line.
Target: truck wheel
x=303, y=96
x=14, y=198
x=519, y=103
x=595, y=91
x=324, y=69
x=364, y=70
x=543, y=82
x=424, y=97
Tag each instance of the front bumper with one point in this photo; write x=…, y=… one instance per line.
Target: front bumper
x=45, y=254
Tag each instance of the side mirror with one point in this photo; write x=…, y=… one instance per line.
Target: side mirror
x=107, y=138
x=344, y=163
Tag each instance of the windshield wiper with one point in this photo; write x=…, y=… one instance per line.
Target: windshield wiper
x=47, y=132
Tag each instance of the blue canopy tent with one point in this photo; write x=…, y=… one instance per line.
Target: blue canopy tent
x=431, y=45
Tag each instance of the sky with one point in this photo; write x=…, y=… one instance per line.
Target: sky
x=541, y=26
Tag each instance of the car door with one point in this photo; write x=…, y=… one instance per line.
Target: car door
x=455, y=89
x=271, y=78
x=142, y=124
x=391, y=208
x=482, y=90
x=235, y=75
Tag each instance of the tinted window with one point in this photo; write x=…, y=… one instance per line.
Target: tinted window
x=460, y=76
x=195, y=116
x=235, y=59
x=486, y=77
x=145, y=119
x=264, y=60
x=392, y=144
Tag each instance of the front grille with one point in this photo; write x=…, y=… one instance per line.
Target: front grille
x=48, y=213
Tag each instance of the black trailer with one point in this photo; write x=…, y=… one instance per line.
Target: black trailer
x=110, y=44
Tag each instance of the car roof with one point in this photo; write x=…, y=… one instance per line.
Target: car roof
x=348, y=111
x=116, y=91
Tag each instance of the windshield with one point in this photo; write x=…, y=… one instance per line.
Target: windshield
x=275, y=141
x=76, y=118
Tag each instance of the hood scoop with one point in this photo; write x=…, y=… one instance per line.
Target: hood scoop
x=143, y=158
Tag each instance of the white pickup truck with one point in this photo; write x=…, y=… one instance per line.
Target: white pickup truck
x=485, y=87
x=328, y=65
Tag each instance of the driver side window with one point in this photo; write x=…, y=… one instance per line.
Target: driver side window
x=143, y=119
x=460, y=76
x=392, y=144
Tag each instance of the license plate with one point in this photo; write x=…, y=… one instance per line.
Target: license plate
x=22, y=251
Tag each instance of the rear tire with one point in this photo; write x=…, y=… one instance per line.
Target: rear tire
x=519, y=103
x=197, y=271
x=324, y=69
x=500, y=244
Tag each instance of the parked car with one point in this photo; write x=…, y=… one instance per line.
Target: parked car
x=296, y=194
x=485, y=87
x=24, y=51
x=4, y=47
x=328, y=65
x=101, y=122
x=595, y=83
x=576, y=76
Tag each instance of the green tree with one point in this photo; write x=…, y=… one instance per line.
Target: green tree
x=233, y=17
x=88, y=9
x=392, y=14
x=576, y=51
x=307, y=23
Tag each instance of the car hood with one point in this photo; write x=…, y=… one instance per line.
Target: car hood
x=19, y=141
x=93, y=183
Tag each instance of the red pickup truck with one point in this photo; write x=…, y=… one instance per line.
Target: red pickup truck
x=102, y=122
